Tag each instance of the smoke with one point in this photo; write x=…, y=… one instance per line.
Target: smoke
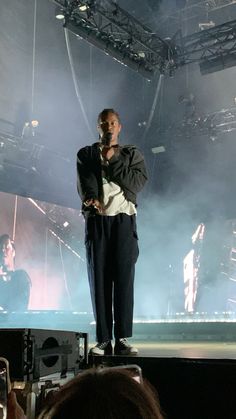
x=165, y=228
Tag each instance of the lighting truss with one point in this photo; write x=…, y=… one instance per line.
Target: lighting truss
x=213, y=125
x=104, y=24
x=110, y=28
x=193, y=10
x=214, y=48
x=213, y=5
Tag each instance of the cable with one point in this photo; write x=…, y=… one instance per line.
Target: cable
x=14, y=219
x=90, y=78
x=45, y=282
x=33, y=58
x=77, y=91
x=153, y=106
x=153, y=167
x=64, y=276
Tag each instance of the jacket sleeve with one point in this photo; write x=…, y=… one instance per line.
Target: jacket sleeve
x=87, y=184
x=128, y=170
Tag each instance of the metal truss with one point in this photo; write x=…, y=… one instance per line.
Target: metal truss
x=193, y=10
x=214, y=48
x=212, y=125
x=104, y=24
x=117, y=33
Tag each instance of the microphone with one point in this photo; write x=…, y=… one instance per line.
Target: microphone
x=106, y=139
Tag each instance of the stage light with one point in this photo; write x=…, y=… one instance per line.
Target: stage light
x=83, y=7
x=34, y=123
x=59, y=13
x=216, y=63
x=141, y=54
x=206, y=25
x=159, y=149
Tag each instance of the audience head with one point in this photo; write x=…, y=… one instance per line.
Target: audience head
x=103, y=394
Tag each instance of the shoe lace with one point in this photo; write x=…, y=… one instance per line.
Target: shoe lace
x=124, y=342
x=102, y=345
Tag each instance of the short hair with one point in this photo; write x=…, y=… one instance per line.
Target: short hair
x=108, y=393
x=106, y=111
x=3, y=239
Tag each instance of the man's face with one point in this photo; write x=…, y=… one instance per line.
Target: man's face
x=110, y=123
x=7, y=254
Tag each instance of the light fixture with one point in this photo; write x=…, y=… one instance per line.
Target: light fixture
x=159, y=149
x=206, y=25
x=59, y=13
x=34, y=123
x=60, y=16
x=83, y=7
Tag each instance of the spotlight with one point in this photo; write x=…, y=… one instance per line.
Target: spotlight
x=34, y=123
x=159, y=149
x=206, y=25
x=141, y=54
x=59, y=13
x=83, y=7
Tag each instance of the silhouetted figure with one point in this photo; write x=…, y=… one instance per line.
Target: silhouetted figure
x=14, y=283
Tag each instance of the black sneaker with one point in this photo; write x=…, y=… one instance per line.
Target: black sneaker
x=122, y=347
x=103, y=348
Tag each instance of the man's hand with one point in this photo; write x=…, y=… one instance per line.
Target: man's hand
x=89, y=202
x=94, y=203
x=97, y=205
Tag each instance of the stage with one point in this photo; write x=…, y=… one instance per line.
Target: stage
x=190, y=350
x=194, y=380
x=190, y=360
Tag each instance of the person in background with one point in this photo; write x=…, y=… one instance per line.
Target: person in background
x=14, y=283
x=109, y=177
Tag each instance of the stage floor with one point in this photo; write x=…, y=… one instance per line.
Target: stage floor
x=192, y=350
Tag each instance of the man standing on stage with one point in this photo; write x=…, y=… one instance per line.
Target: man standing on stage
x=109, y=178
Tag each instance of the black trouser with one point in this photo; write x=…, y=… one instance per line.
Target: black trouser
x=112, y=250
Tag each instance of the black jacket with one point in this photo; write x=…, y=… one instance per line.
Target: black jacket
x=126, y=168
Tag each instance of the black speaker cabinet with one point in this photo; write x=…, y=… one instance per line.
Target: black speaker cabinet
x=36, y=353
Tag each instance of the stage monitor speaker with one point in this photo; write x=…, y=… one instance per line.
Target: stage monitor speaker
x=36, y=353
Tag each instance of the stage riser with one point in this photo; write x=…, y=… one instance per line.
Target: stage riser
x=189, y=389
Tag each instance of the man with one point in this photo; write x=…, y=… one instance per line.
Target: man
x=14, y=284
x=109, y=177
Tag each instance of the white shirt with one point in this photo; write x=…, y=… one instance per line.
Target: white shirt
x=114, y=201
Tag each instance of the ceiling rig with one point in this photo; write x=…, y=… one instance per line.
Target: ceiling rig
x=116, y=32
x=113, y=30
